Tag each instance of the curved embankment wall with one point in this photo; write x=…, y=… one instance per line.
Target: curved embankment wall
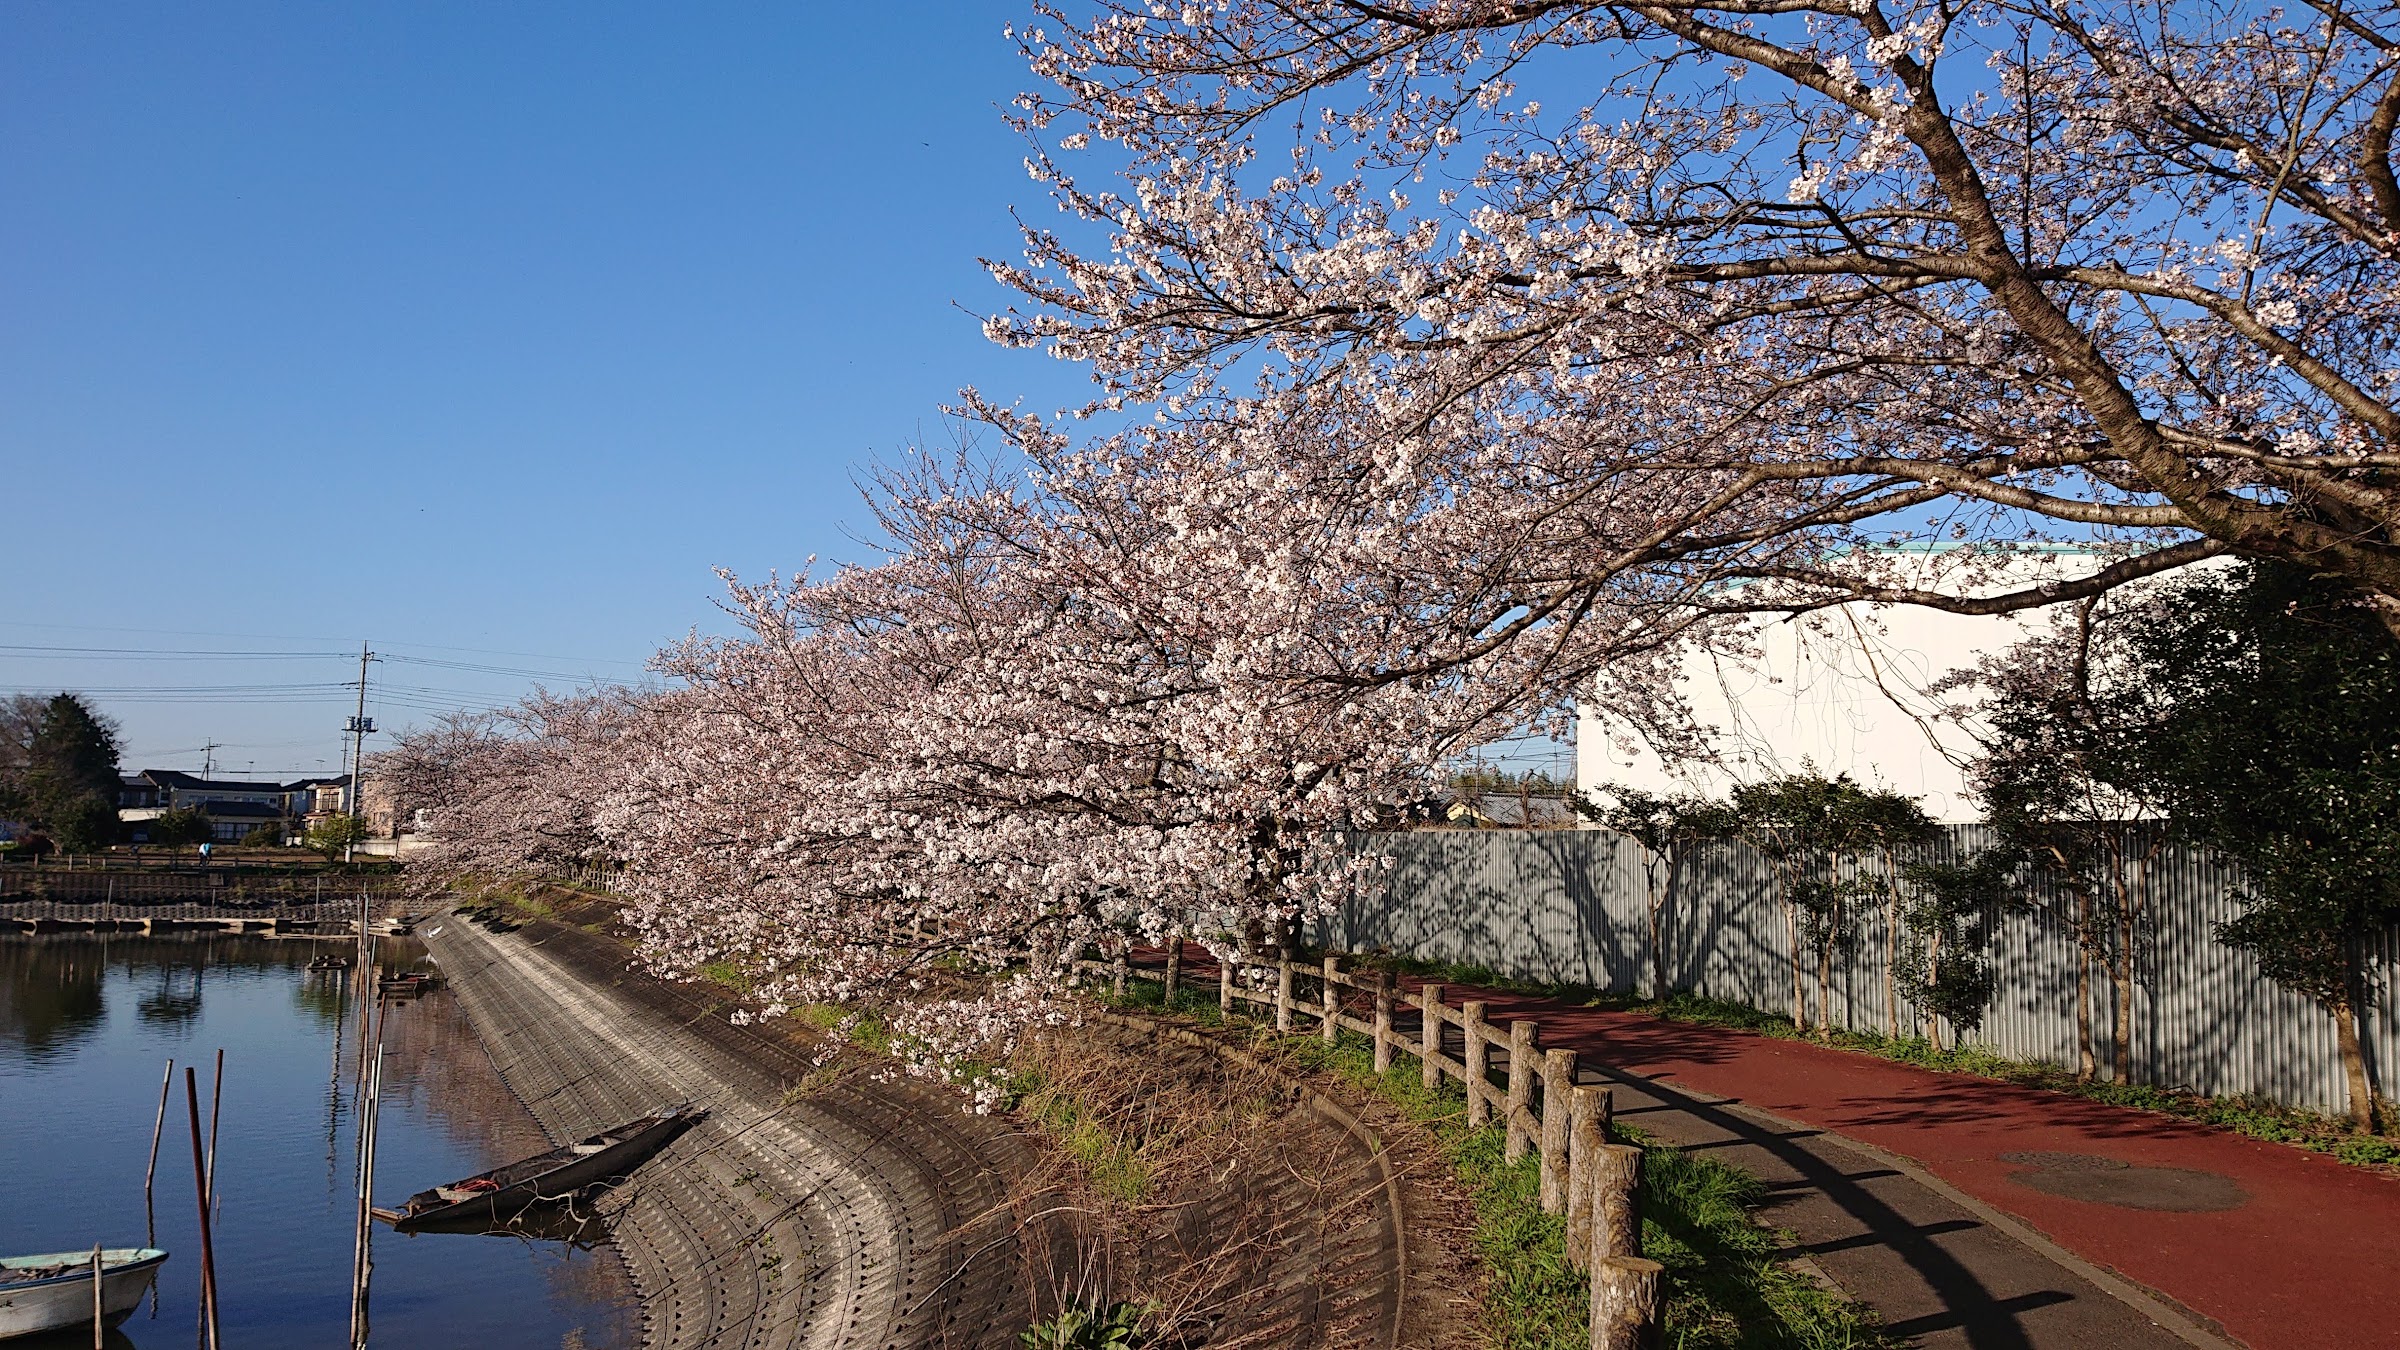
x=801, y=1212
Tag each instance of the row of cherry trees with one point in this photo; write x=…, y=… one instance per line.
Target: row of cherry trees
x=1084, y=709
x=1456, y=357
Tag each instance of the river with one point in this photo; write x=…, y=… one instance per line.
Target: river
x=87, y=1023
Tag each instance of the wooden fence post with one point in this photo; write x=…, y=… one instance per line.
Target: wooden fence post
x=1283, y=993
x=1119, y=969
x=1383, y=1021
x=1520, y=1087
x=1225, y=986
x=1429, y=1036
x=1625, y=1304
x=1478, y=1060
x=1585, y=1139
x=1558, y=1087
x=1330, y=1021
x=1617, y=1203
x=1174, y=966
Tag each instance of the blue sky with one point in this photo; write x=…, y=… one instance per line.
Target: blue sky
x=479, y=332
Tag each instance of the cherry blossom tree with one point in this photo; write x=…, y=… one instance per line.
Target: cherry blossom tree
x=1730, y=290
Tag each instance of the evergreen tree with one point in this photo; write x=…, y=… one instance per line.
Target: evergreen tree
x=70, y=784
x=2277, y=741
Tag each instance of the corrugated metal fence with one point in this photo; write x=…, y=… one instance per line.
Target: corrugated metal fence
x=1569, y=905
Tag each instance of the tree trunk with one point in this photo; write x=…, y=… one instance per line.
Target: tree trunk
x=1933, y=976
x=2354, y=1065
x=2120, y=972
x=1658, y=928
x=1791, y=937
x=1825, y=987
x=2086, y=1063
x=2120, y=1042
x=1891, y=957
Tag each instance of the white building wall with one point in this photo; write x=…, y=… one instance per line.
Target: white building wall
x=1842, y=689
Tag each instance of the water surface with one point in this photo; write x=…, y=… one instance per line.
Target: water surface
x=87, y=1023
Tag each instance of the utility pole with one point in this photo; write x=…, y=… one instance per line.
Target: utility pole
x=359, y=727
x=208, y=760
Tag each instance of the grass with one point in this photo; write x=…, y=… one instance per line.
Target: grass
x=1114, y=1165
x=2255, y=1116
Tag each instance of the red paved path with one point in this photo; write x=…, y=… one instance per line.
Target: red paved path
x=2312, y=1260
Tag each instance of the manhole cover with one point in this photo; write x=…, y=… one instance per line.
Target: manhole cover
x=2065, y=1162
x=2107, y=1181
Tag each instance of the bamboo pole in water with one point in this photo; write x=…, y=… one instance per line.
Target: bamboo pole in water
x=216, y=1101
x=158, y=1127
x=363, y=1259
x=99, y=1310
x=208, y=1254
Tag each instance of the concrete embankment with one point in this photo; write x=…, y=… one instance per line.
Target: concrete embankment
x=802, y=1212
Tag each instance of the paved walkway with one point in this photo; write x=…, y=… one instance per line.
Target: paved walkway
x=1980, y=1214
x=2275, y=1246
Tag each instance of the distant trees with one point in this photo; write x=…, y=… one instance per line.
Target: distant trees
x=2274, y=735
x=2256, y=712
x=336, y=835
x=1666, y=829
x=179, y=827
x=1802, y=821
x=2061, y=784
x=1944, y=934
x=58, y=770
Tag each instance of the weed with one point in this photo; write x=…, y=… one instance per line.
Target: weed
x=1115, y=1327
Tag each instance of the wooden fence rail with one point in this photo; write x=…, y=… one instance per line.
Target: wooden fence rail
x=1594, y=1182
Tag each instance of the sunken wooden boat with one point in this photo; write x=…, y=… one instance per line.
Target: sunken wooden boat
x=53, y=1291
x=491, y=1199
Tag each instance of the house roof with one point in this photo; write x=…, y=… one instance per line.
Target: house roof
x=192, y=782
x=242, y=811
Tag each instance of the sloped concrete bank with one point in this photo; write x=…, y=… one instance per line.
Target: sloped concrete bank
x=802, y=1212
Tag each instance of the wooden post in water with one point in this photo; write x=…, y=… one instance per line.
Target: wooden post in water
x=208, y=1253
x=99, y=1310
x=216, y=1100
x=363, y=1266
x=1477, y=1058
x=157, y=1127
x=1429, y=1036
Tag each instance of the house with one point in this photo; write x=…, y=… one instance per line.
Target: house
x=1842, y=690
x=235, y=807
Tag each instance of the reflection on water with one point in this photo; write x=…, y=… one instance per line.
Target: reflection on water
x=86, y=1025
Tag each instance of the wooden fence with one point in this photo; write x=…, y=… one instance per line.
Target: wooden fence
x=1594, y=1182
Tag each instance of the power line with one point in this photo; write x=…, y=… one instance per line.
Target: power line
x=31, y=652
x=285, y=637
